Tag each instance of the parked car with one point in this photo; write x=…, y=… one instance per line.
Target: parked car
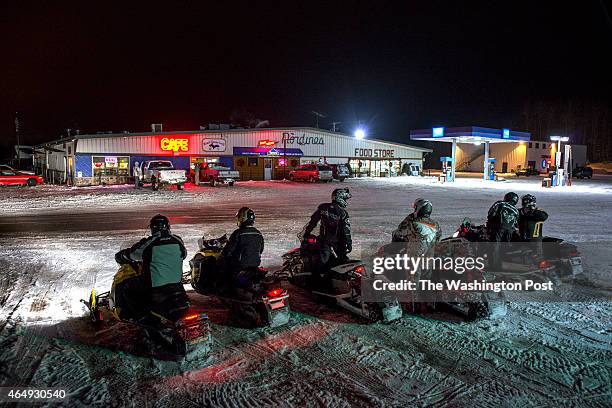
x=10, y=176
x=582, y=172
x=214, y=174
x=161, y=172
x=5, y=167
x=340, y=171
x=529, y=171
x=312, y=173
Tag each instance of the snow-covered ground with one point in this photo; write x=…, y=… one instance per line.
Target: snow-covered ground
x=58, y=242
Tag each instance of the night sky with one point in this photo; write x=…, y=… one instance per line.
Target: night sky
x=98, y=66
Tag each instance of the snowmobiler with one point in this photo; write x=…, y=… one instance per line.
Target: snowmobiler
x=417, y=236
x=418, y=229
x=229, y=270
x=557, y=259
x=502, y=220
x=334, y=240
x=321, y=263
x=530, y=222
x=147, y=291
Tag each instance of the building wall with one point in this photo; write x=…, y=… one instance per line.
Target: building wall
x=313, y=143
x=511, y=153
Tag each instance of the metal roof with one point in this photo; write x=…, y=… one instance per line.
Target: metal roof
x=217, y=131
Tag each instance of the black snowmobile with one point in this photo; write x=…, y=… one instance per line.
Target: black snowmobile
x=341, y=284
x=173, y=326
x=560, y=260
x=253, y=295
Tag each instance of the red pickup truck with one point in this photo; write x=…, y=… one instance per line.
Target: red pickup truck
x=214, y=174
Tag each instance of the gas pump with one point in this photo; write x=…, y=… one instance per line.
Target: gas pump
x=491, y=167
x=447, y=168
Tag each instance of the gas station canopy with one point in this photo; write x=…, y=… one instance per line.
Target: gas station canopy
x=470, y=134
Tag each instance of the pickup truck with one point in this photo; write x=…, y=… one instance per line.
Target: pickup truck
x=214, y=174
x=161, y=172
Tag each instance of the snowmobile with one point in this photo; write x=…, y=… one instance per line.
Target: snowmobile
x=341, y=284
x=471, y=305
x=253, y=295
x=560, y=260
x=181, y=331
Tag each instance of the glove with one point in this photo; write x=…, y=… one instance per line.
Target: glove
x=349, y=248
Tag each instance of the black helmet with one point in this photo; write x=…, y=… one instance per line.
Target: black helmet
x=511, y=198
x=340, y=196
x=245, y=216
x=528, y=201
x=422, y=207
x=159, y=223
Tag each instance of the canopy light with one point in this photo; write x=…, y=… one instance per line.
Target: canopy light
x=438, y=132
x=559, y=138
x=360, y=133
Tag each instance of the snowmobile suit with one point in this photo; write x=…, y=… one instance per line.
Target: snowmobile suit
x=244, y=248
x=530, y=223
x=334, y=231
x=502, y=216
x=420, y=232
x=501, y=225
x=161, y=256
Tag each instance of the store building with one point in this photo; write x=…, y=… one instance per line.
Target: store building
x=511, y=157
x=259, y=154
x=506, y=150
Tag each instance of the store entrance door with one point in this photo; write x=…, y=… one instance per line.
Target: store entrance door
x=267, y=169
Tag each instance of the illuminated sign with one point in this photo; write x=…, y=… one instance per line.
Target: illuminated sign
x=292, y=138
x=266, y=143
x=175, y=145
x=382, y=153
x=437, y=132
x=505, y=133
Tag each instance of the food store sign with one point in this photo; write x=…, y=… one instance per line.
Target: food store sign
x=174, y=145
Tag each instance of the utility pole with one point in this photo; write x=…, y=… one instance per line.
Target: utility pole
x=335, y=126
x=317, y=116
x=18, y=141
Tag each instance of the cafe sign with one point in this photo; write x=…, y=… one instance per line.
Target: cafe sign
x=174, y=145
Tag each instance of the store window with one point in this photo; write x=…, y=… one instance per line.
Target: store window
x=530, y=145
x=200, y=160
x=253, y=161
x=537, y=145
x=110, y=166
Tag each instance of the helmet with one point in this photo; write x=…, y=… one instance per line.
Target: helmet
x=159, y=223
x=245, y=216
x=340, y=196
x=511, y=198
x=528, y=201
x=422, y=207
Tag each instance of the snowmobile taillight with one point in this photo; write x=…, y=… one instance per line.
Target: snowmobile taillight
x=544, y=264
x=360, y=269
x=311, y=240
x=275, y=293
x=191, y=316
x=574, y=253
